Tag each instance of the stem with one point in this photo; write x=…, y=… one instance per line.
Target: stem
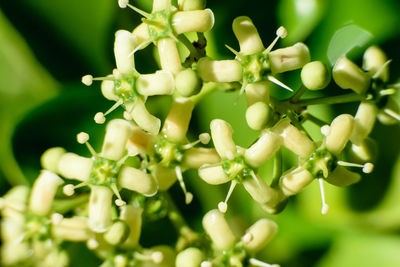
x=314, y=119
x=186, y=42
x=210, y=87
x=298, y=94
x=347, y=98
x=65, y=205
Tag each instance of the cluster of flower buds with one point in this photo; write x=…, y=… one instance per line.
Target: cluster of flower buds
x=110, y=193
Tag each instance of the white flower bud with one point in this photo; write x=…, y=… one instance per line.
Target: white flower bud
x=261, y=232
x=137, y=180
x=165, y=177
x=348, y=75
x=100, y=203
x=169, y=55
x=142, y=34
x=107, y=89
x=73, y=166
x=190, y=257
x=43, y=192
x=117, y=134
x=117, y=233
x=50, y=158
x=247, y=35
x=177, y=122
x=188, y=83
x=143, y=118
x=191, y=4
x=363, y=122
x=257, y=92
x=72, y=229
x=339, y=133
x=133, y=217
x=289, y=58
x=374, y=58
x=293, y=181
x=260, y=191
x=258, y=116
x=219, y=70
x=213, y=174
x=315, y=75
x=193, y=21
x=221, y=133
x=195, y=157
x=262, y=150
x=125, y=43
x=159, y=83
x=343, y=177
x=218, y=229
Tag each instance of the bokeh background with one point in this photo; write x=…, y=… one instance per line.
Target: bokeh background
x=47, y=46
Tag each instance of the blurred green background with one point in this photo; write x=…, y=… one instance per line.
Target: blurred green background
x=47, y=46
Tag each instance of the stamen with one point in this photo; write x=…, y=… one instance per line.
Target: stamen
x=92, y=244
x=69, y=189
x=259, y=263
x=223, y=206
x=366, y=168
x=83, y=138
x=99, y=118
x=237, y=54
x=157, y=257
x=325, y=206
x=56, y=218
x=119, y=202
x=188, y=195
x=381, y=69
x=139, y=47
x=206, y=264
x=279, y=83
x=325, y=130
x=392, y=114
x=141, y=12
x=280, y=33
x=123, y=3
x=389, y=91
x=87, y=80
x=204, y=138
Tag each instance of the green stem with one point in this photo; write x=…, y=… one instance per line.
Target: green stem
x=314, y=119
x=65, y=205
x=298, y=94
x=347, y=98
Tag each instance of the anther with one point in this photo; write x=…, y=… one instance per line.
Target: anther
x=325, y=206
x=69, y=190
x=223, y=206
x=366, y=168
x=92, y=243
x=56, y=218
x=280, y=33
x=99, y=118
x=204, y=138
x=83, y=138
x=119, y=202
x=157, y=257
x=87, y=80
x=188, y=195
x=123, y=3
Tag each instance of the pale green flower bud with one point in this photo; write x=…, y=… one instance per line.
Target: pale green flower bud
x=365, y=152
x=339, y=133
x=72, y=229
x=213, y=174
x=117, y=233
x=169, y=55
x=73, y=166
x=117, y=134
x=125, y=43
x=177, y=122
x=43, y=192
x=137, y=180
x=100, y=208
x=363, y=122
x=50, y=158
x=260, y=191
x=11, y=229
x=221, y=133
x=257, y=92
x=391, y=106
x=289, y=58
x=133, y=217
x=191, y=4
x=57, y=258
x=219, y=70
x=159, y=83
x=141, y=32
x=262, y=150
x=259, y=235
x=190, y=257
x=193, y=21
x=15, y=253
x=343, y=177
x=107, y=89
x=165, y=177
x=348, y=75
x=218, y=229
x=294, y=139
x=13, y=204
x=143, y=118
x=188, y=83
x=196, y=157
x=259, y=115
x=315, y=75
x=293, y=181
x=374, y=58
x=247, y=35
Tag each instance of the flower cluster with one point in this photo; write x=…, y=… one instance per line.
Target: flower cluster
x=110, y=193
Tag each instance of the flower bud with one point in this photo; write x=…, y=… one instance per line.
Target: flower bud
x=133, y=217
x=141, y=32
x=219, y=70
x=289, y=58
x=218, y=229
x=221, y=133
x=43, y=192
x=213, y=174
x=260, y=234
x=11, y=229
x=117, y=233
x=165, y=177
x=188, y=83
x=190, y=257
x=293, y=181
x=169, y=55
x=72, y=229
x=262, y=150
x=139, y=142
x=363, y=122
x=187, y=5
x=51, y=157
x=107, y=89
x=73, y=166
x=100, y=203
x=374, y=58
x=15, y=253
x=159, y=83
x=14, y=203
x=260, y=191
x=193, y=21
x=137, y=180
x=159, y=5
x=339, y=133
x=143, y=118
x=365, y=152
x=343, y=177
x=125, y=43
x=177, y=122
x=315, y=75
x=257, y=92
x=258, y=116
x=348, y=75
x=196, y=157
x=247, y=35
x=117, y=134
